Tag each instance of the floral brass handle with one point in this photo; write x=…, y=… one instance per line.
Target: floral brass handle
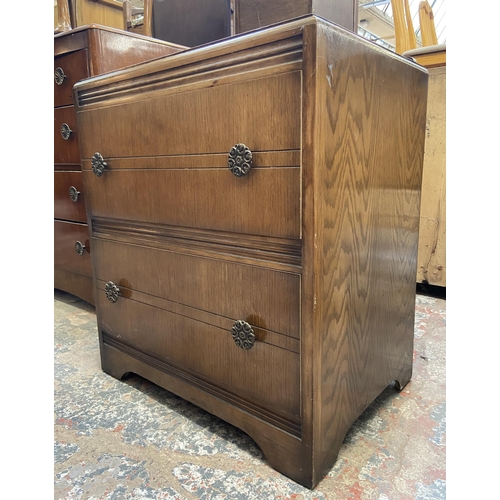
x=74, y=193
x=65, y=131
x=98, y=164
x=59, y=76
x=79, y=247
x=239, y=160
x=243, y=334
x=112, y=291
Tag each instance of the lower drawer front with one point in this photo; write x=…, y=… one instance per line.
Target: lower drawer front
x=263, y=297
x=262, y=376
x=66, y=236
x=69, y=199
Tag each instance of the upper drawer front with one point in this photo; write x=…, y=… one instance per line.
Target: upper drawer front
x=69, y=200
x=68, y=69
x=264, y=202
x=65, y=136
x=264, y=298
x=263, y=113
x=67, y=237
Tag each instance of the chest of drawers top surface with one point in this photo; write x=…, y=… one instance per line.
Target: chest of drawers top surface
x=110, y=48
x=310, y=246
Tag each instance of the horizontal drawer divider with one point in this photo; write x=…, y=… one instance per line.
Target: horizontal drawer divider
x=71, y=271
x=279, y=253
x=269, y=337
x=262, y=159
x=274, y=58
x=283, y=422
x=73, y=223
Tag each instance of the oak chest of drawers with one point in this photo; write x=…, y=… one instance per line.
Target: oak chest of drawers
x=254, y=210
x=80, y=53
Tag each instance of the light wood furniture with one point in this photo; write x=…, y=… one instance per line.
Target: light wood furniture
x=403, y=26
x=430, y=53
x=433, y=56
x=80, y=53
x=427, y=27
x=62, y=18
x=255, y=229
x=432, y=239
x=133, y=18
x=77, y=13
x=103, y=12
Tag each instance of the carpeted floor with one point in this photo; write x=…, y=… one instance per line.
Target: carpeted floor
x=130, y=439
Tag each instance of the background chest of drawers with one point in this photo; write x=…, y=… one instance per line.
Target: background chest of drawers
x=255, y=227
x=78, y=54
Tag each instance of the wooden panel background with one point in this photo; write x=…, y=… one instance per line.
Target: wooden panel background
x=432, y=239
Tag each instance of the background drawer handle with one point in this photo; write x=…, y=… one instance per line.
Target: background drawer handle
x=112, y=291
x=65, y=131
x=79, y=248
x=239, y=160
x=243, y=334
x=73, y=193
x=98, y=164
x=59, y=76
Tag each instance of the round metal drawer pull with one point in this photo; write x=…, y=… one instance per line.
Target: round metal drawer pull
x=239, y=160
x=73, y=193
x=98, y=164
x=79, y=247
x=243, y=334
x=65, y=131
x=112, y=291
x=59, y=76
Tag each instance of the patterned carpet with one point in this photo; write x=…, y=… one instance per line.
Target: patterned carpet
x=130, y=439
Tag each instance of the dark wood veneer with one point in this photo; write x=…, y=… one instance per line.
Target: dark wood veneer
x=315, y=248
x=80, y=53
x=64, y=206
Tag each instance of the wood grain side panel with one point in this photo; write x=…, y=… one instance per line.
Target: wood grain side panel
x=311, y=334
x=257, y=203
x=66, y=234
x=372, y=137
x=262, y=297
x=260, y=113
x=264, y=375
x=111, y=50
x=64, y=206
